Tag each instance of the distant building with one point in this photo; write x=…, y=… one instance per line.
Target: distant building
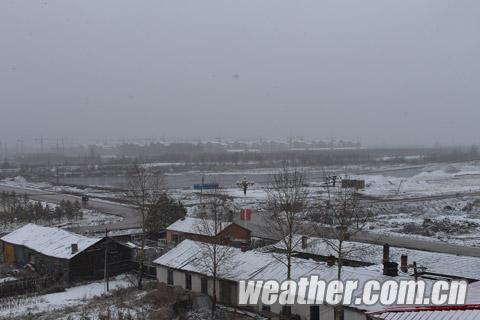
x=64, y=255
x=198, y=229
x=353, y=184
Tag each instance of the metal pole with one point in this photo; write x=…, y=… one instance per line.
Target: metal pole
x=105, y=269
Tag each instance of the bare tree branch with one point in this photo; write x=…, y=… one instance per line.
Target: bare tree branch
x=215, y=254
x=144, y=188
x=286, y=206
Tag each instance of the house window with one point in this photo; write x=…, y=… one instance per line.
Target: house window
x=170, y=277
x=177, y=238
x=204, y=285
x=188, y=281
x=315, y=313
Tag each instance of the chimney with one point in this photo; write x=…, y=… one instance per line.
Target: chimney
x=74, y=248
x=389, y=268
x=304, y=242
x=404, y=263
x=386, y=253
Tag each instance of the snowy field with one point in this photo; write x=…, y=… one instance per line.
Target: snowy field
x=434, y=180
x=71, y=297
x=89, y=218
x=438, y=202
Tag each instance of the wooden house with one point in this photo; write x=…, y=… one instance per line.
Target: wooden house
x=64, y=255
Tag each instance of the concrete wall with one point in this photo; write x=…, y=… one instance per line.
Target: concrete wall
x=326, y=312
x=179, y=280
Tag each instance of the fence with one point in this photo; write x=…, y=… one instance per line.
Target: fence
x=25, y=286
x=9, y=303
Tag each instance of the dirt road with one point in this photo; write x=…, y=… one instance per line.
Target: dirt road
x=130, y=216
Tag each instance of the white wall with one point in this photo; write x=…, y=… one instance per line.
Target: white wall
x=326, y=312
x=179, y=280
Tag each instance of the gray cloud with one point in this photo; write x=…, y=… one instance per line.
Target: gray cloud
x=382, y=72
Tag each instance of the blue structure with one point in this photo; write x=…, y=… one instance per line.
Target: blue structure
x=205, y=186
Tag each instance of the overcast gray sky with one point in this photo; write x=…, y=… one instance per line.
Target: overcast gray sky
x=376, y=71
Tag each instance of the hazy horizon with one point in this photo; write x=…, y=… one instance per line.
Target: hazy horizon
x=383, y=73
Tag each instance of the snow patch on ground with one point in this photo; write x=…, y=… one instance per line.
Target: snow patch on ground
x=435, y=180
x=71, y=297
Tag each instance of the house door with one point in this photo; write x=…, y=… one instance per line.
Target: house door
x=228, y=292
x=315, y=313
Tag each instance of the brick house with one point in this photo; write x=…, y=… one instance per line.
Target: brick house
x=202, y=230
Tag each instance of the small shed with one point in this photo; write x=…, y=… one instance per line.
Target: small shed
x=353, y=184
x=64, y=255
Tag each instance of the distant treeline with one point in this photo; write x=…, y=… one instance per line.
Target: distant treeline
x=201, y=157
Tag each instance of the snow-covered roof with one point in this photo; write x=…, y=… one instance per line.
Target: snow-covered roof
x=470, y=311
x=444, y=313
x=197, y=226
x=257, y=265
x=441, y=263
x=53, y=242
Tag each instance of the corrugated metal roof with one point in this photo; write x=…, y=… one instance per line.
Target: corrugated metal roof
x=441, y=263
x=256, y=265
x=53, y=242
x=470, y=311
x=431, y=315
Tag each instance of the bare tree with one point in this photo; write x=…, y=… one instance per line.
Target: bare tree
x=343, y=211
x=215, y=254
x=144, y=189
x=286, y=207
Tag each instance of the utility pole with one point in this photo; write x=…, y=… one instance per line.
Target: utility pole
x=201, y=190
x=105, y=268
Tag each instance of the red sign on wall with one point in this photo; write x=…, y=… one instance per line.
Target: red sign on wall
x=246, y=214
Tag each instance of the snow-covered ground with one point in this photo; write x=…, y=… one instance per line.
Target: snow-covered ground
x=453, y=217
x=70, y=297
x=89, y=218
x=21, y=182
x=453, y=220
x=433, y=180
